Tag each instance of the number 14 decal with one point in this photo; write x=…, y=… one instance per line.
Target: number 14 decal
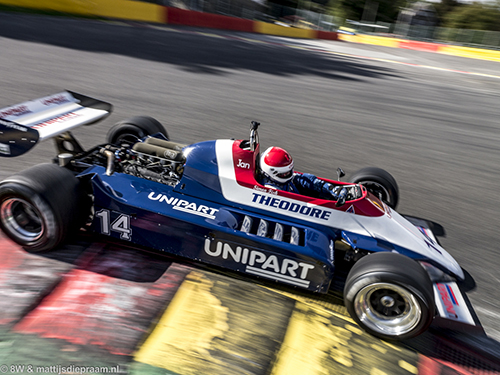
x=120, y=225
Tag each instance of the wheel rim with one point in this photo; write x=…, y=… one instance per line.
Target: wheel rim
x=21, y=219
x=378, y=190
x=387, y=309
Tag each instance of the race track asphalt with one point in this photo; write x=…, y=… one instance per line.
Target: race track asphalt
x=430, y=120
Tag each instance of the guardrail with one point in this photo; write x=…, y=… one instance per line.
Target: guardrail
x=446, y=49
x=148, y=12
x=462, y=37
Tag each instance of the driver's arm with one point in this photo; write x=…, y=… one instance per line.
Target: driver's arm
x=309, y=184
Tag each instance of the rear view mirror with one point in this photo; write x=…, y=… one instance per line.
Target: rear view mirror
x=340, y=173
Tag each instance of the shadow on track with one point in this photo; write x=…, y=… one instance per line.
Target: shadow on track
x=193, y=52
x=113, y=260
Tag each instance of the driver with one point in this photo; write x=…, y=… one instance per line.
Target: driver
x=276, y=167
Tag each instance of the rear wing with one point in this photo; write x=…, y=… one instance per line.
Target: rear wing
x=24, y=125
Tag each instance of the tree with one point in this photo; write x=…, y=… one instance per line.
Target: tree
x=445, y=6
x=387, y=10
x=475, y=16
x=335, y=9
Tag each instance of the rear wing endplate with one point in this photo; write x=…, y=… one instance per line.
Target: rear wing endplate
x=24, y=125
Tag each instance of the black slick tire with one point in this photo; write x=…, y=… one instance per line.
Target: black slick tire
x=380, y=183
x=390, y=296
x=41, y=206
x=133, y=129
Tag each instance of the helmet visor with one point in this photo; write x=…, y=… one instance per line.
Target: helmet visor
x=285, y=175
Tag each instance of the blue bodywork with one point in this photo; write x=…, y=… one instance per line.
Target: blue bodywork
x=177, y=221
x=193, y=220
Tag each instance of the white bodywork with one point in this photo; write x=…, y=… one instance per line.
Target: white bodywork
x=52, y=115
x=391, y=226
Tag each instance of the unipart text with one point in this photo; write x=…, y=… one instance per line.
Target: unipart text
x=259, y=263
x=62, y=118
x=184, y=205
x=15, y=111
x=447, y=300
x=58, y=99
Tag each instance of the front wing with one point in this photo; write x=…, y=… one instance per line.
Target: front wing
x=453, y=309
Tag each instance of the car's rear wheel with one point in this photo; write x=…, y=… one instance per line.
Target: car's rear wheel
x=131, y=130
x=40, y=206
x=390, y=296
x=380, y=183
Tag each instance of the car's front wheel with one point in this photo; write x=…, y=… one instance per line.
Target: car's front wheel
x=40, y=206
x=390, y=296
x=380, y=183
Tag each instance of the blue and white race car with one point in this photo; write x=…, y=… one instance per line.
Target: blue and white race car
x=203, y=202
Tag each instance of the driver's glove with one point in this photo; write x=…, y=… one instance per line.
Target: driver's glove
x=333, y=190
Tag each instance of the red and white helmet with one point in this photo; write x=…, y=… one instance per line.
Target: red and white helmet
x=277, y=164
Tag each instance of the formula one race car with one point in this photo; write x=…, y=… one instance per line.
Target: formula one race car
x=203, y=202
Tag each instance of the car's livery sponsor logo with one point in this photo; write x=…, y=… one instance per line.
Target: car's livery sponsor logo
x=57, y=99
x=185, y=206
x=242, y=164
x=449, y=300
x=427, y=234
x=13, y=126
x=62, y=118
x=293, y=207
x=265, y=190
x=4, y=149
x=170, y=154
x=15, y=111
x=428, y=240
x=261, y=264
x=376, y=204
